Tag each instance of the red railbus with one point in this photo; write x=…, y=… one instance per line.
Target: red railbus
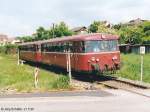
x=88, y=52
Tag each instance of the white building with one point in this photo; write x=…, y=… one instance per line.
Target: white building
x=5, y=40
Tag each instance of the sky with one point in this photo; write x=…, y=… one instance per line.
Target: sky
x=23, y=17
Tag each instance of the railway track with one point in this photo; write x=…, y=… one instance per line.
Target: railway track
x=115, y=83
x=87, y=82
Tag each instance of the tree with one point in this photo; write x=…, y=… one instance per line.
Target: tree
x=41, y=34
x=60, y=30
x=101, y=27
x=146, y=31
x=135, y=34
x=93, y=28
x=117, y=26
x=130, y=35
x=25, y=38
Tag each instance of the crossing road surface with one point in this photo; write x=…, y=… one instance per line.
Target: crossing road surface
x=91, y=101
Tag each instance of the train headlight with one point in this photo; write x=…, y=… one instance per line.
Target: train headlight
x=89, y=61
x=115, y=58
x=93, y=58
x=97, y=60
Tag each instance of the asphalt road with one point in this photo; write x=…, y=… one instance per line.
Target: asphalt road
x=92, y=101
x=91, y=93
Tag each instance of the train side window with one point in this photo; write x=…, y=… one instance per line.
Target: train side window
x=78, y=47
x=34, y=48
x=37, y=48
x=24, y=48
x=58, y=47
x=70, y=46
x=42, y=47
x=61, y=47
x=64, y=47
x=48, y=47
x=54, y=47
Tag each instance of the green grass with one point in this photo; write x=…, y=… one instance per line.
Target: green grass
x=21, y=78
x=130, y=67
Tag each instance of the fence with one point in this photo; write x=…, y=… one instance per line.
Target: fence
x=126, y=48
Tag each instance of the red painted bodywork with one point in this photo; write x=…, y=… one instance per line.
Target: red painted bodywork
x=83, y=61
x=38, y=56
x=79, y=61
x=28, y=55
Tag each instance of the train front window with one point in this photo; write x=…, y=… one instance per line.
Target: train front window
x=101, y=46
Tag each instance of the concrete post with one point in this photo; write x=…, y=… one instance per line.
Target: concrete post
x=141, y=68
x=69, y=66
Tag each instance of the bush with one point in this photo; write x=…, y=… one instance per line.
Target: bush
x=61, y=82
x=8, y=49
x=2, y=49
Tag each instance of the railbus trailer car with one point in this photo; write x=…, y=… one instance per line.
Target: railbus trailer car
x=88, y=52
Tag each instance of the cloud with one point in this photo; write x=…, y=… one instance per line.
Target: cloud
x=22, y=17
x=114, y=11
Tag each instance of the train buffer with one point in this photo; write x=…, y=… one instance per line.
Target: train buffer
x=21, y=62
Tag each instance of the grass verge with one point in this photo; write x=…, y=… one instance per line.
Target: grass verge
x=130, y=67
x=21, y=78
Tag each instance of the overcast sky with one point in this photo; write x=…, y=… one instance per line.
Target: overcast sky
x=22, y=17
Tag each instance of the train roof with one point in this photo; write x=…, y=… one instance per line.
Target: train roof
x=85, y=37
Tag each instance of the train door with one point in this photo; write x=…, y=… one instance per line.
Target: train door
x=74, y=48
x=73, y=57
x=75, y=61
x=38, y=53
x=77, y=49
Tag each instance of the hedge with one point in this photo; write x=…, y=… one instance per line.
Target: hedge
x=8, y=49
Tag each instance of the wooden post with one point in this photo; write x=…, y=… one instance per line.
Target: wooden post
x=18, y=56
x=36, y=77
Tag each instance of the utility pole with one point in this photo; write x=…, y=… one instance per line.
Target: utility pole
x=53, y=30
